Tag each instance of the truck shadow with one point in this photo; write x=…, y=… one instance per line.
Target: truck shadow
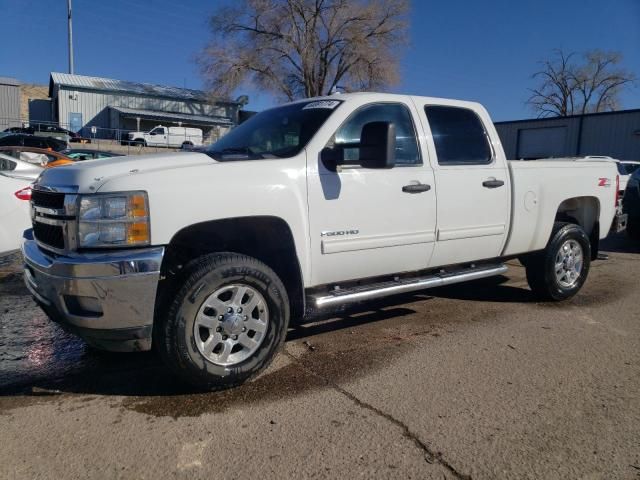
x=491, y=289
x=619, y=243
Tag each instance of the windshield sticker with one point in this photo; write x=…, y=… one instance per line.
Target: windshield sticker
x=331, y=104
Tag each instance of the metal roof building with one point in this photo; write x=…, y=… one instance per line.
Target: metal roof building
x=115, y=107
x=616, y=134
x=9, y=103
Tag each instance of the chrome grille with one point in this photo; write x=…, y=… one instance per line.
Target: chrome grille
x=53, y=213
x=44, y=199
x=51, y=235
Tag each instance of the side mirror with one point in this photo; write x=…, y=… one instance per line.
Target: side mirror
x=378, y=145
x=152, y=133
x=331, y=157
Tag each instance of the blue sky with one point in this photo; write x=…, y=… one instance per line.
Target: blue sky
x=477, y=50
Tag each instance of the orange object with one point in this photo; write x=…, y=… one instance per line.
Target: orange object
x=55, y=159
x=137, y=232
x=58, y=163
x=137, y=205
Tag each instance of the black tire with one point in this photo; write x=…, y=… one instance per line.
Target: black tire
x=540, y=267
x=140, y=143
x=174, y=335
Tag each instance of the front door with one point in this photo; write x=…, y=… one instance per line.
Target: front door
x=369, y=222
x=158, y=137
x=472, y=187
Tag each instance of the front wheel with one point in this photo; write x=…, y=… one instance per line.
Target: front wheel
x=560, y=270
x=226, y=323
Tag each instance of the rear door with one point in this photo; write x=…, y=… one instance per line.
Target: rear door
x=473, y=187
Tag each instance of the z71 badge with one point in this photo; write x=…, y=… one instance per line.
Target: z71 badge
x=604, y=182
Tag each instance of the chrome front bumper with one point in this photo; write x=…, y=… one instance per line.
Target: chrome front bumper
x=108, y=299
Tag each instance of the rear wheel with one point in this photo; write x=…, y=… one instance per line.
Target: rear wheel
x=226, y=323
x=559, y=271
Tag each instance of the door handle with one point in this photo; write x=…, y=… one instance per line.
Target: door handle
x=492, y=183
x=416, y=188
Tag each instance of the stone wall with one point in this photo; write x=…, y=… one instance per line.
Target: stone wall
x=31, y=92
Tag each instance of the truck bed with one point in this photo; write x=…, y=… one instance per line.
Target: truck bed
x=538, y=189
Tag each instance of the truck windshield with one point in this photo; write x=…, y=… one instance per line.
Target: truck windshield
x=275, y=133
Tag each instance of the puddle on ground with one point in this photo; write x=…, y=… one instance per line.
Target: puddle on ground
x=31, y=346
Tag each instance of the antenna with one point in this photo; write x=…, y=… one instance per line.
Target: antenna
x=70, y=30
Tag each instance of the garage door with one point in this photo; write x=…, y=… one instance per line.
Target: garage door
x=542, y=142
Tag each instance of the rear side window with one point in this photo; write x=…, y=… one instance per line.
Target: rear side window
x=459, y=136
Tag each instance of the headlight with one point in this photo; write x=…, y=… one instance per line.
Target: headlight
x=113, y=220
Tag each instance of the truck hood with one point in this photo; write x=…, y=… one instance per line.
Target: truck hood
x=89, y=175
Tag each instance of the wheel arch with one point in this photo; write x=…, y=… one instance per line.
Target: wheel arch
x=267, y=238
x=583, y=211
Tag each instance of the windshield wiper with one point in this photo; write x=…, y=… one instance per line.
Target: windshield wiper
x=235, y=151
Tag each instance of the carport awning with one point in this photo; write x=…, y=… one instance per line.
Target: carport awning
x=172, y=117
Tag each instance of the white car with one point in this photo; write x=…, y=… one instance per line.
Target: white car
x=162, y=136
x=305, y=206
x=16, y=177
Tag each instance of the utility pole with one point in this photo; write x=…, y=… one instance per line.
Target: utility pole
x=70, y=29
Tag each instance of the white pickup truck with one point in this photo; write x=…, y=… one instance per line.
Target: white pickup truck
x=161, y=136
x=306, y=206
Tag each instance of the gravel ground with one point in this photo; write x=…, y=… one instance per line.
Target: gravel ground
x=469, y=381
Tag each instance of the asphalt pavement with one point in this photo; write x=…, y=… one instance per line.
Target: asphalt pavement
x=475, y=380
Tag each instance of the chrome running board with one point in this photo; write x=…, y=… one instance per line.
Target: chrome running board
x=377, y=290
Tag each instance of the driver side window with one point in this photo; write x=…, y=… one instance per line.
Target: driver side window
x=348, y=134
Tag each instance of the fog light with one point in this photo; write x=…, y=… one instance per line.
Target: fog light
x=83, y=306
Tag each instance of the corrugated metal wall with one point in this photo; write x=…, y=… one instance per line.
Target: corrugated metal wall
x=95, y=112
x=9, y=106
x=615, y=134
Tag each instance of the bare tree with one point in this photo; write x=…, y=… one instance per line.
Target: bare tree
x=305, y=48
x=570, y=87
